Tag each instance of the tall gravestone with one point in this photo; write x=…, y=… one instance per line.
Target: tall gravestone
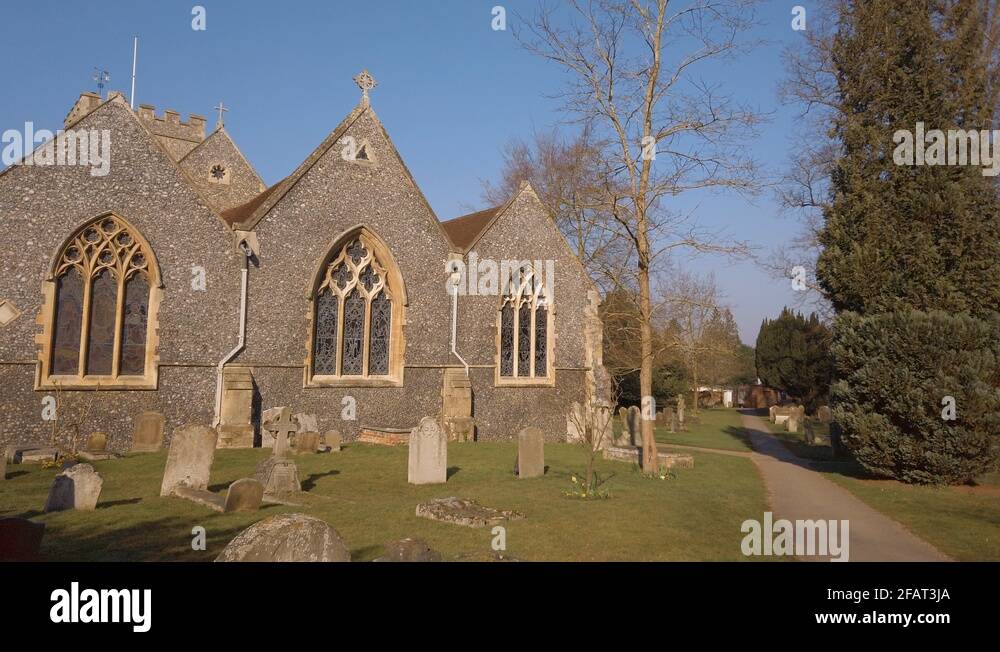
x=78, y=487
x=278, y=473
x=148, y=434
x=530, y=453
x=3, y=467
x=680, y=413
x=428, y=463
x=635, y=426
x=189, y=461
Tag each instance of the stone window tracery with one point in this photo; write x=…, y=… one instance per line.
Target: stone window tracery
x=525, y=330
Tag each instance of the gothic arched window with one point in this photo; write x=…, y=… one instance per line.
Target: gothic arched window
x=357, y=314
x=525, y=352
x=104, y=285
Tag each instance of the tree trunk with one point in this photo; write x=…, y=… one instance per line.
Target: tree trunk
x=650, y=459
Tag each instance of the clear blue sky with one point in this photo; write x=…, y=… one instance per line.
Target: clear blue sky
x=451, y=92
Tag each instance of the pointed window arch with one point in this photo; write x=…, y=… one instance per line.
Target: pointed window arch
x=525, y=330
x=357, y=300
x=100, y=307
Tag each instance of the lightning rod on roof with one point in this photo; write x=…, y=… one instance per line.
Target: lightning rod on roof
x=102, y=77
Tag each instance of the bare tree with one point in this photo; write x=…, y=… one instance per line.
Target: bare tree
x=633, y=84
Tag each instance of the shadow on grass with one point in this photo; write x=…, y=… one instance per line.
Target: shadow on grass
x=452, y=470
x=116, y=503
x=310, y=482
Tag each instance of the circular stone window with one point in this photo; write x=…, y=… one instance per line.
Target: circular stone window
x=219, y=173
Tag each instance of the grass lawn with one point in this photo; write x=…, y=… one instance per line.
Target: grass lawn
x=363, y=493
x=717, y=428
x=963, y=522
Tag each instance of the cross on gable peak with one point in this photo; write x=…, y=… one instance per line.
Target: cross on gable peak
x=365, y=82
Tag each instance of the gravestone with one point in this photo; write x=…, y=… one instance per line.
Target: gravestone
x=576, y=423
x=244, y=495
x=306, y=443
x=824, y=414
x=20, y=539
x=333, y=440
x=148, y=434
x=635, y=425
x=267, y=421
x=530, y=453
x=278, y=473
x=287, y=538
x=78, y=487
x=680, y=413
x=671, y=419
x=189, y=461
x=462, y=511
x=428, y=463
x=792, y=423
x=97, y=442
x=771, y=412
x=3, y=467
x=307, y=422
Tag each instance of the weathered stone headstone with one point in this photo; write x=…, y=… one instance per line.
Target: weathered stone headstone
x=147, y=437
x=771, y=412
x=824, y=414
x=530, y=453
x=680, y=413
x=20, y=539
x=3, y=467
x=306, y=443
x=189, y=461
x=333, y=440
x=244, y=495
x=792, y=423
x=428, y=463
x=307, y=422
x=287, y=538
x=278, y=473
x=635, y=425
x=576, y=423
x=409, y=550
x=269, y=419
x=78, y=487
x=97, y=442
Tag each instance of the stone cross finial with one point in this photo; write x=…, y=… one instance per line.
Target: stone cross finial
x=282, y=427
x=365, y=82
x=221, y=109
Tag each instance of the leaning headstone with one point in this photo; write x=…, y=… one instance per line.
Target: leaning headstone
x=306, y=443
x=148, y=434
x=409, y=550
x=189, y=461
x=530, y=453
x=635, y=425
x=278, y=473
x=244, y=495
x=333, y=441
x=287, y=538
x=78, y=487
x=428, y=462
x=20, y=539
x=97, y=442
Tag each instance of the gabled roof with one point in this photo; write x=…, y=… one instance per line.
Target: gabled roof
x=220, y=132
x=465, y=230
x=237, y=214
x=119, y=100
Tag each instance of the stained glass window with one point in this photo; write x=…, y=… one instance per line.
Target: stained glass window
x=69, y=318
x=381, y=323
x=102, y=281
x=134, y=320
x=325, y=354
x=507, y=340
x=354, y=333
x=101, y=339
x=541, y=341
x=354, y=288
x=524, y=330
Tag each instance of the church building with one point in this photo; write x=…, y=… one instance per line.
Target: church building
x=178, y=282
